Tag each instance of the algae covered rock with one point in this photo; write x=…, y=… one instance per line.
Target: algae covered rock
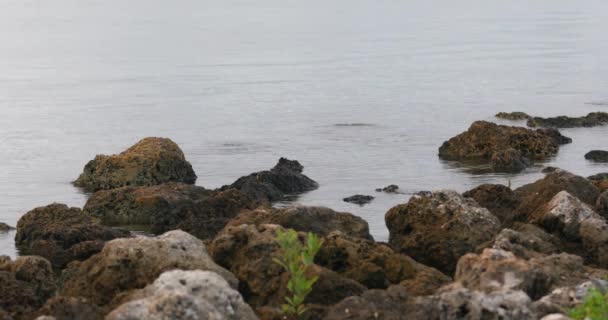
x=149, y=162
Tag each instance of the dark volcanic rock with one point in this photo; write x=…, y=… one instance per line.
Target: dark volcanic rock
x=517, y=115
x=597, y=155
x=484, y=141
x=63, y=234
x=71, y=308
x=499, y=199
x=133, y=263
x=602, y=204
x=527, y=241
x=359, y=199
x=591, y=120
x=151, y=161
x=389, y=189
x=284, y=179
x=376, y=265
x=392, y=304
x=318, y=220
x=5, y=227
x=165, y=207
x=599, y=177
x=439, y=228
x=249, y=252
x=25, y=284
x=536, y=195
x=554, y=134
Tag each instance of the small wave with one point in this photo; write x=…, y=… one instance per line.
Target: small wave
x=598, y=103
x=354, y=125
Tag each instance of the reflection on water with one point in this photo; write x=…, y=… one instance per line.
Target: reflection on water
x=362, y=95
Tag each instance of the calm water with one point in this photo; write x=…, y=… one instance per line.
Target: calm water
x=240, y=83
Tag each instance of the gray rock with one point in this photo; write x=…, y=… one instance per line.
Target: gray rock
x=359, y=199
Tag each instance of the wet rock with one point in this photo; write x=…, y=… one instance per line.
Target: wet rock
x=376, y=265
x=535, y=196
x=62, y=234
x=359, y=199
x=485, y=140
x=555, y=135
x=509, y=160
x=249, y=251
x=170, y=206
x=185, y=295
x=133, y=263
x=150, y=162
x=25, y=284
x=593, y=119
x=500, y=200
x=71, y=308
x=514, y=116
x=550, y=169
x=284, y=179
x=438, y=229
x=389, y=189
x=597, y=155
x=564, y=215
x=318, y=220
x=5, y=227
x=526, y=241
x=602, y=204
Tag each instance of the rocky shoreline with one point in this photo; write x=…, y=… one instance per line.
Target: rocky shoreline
x=490, y=253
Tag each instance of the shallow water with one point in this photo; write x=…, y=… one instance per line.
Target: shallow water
x=362, y=93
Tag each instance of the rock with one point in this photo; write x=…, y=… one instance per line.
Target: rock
x=527, y=241
x=150, y=162
x=561, y=300
x=499, y=270
x=599, y=177
x=71, y=308
x=535, y=196
x=485, y=140
x=594, y=235
x=600, y=180
x=62, y=234
x=170, y=206
x=500, y=200
x=514, y=116
x=133, y=263
x=438, y=229
x=392, y=304
x=25, y=284
x=359, y=199
x=185, y=295
x=597, y=155
x=555, y=316
x=550, y=169
x=593, y=119
x=564, y=215
x=456, y=302
x=509, y=160
x=5, y=227
x=601, y=205
x=555, y=135
x=267, y=186
x=249, y=251
x=389, y=189
x=376, y=265
x=318, y=220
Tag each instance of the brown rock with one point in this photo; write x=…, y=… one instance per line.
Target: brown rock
x=527, y=241
x=500, y=200
x=150, y=162
x=62, y=234
x=71, y=308
x=437, y=229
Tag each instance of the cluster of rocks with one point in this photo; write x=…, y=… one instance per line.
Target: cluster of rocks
x=490, y=253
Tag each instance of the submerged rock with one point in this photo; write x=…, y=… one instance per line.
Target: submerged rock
x=182, y=294
x=389, y=189
x=439, y=228
x=597, y=155
x=555, y=135
x=5, y=227
x=170, y=206
x=593, y=119
x=150, y=162
x=25, y=284
x=359, y=199
x=318, y=220
x=272, y=185
x=133, y=263
x=506, y=147
x=517, y=115
x=500, y=200
x=62, y=234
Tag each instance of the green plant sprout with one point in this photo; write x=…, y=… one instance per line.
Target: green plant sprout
x=594, y=306
x=296, y=257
